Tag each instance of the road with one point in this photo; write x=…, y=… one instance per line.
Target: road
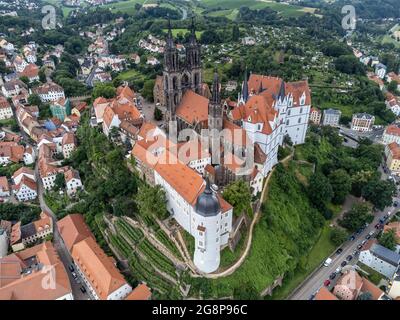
x=313, y=284
x=58, y=242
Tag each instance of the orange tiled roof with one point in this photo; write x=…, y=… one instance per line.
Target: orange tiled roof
x=98, y=268
x=141, y=292
x=73, y=229
x=4, y=184
x=393, y=129
x=30, y=286
x=394, y=150
x=325, y=294
x=368, y=286
x=193, y=108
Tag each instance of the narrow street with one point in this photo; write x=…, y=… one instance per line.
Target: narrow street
x=59, y=244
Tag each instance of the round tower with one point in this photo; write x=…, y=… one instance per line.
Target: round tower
x=207, y=231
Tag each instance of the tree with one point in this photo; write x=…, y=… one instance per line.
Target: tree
x=365, y=296
x=238, y=195
x=338, y=236
x=147, y=91
x=358, y=216
x=235, y=33
x=59, y=182
x=158, y=115
x=42, y=76
x=341, y=185
x=392, y=87
x=379, y=192
x=151, y=201
x=388, y=239
x=24, y=79
x=105, y=90
x=34, y=100
x=319, y=189
x=349, y=64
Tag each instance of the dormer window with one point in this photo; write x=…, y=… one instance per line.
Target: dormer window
x=249, y=118
x=303, y=99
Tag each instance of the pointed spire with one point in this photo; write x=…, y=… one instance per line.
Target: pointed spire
x=261, y=89
x=193, y=38
x=170, y=39
x=216, y=88
x=245, y=93
x=208, y=190
x=282, y=93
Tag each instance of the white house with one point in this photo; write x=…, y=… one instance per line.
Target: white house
x=380, y=259
x=23, y=172
x=26, y=189
x=380, y=70
x=362, y=122
x=68, y=144
x=50, y=92
x=73, y=181
x=391, y=134
x=5, y=109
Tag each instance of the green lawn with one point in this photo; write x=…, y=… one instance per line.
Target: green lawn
x=229, y=8
x=127, y=6
x=183, y=31
x=130, y=75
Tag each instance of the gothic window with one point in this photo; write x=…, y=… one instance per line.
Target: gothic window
x=174, y=83
x=166, y=83
x=185, y=81
x=176, y=99
x=299, y=120
x=196, y=79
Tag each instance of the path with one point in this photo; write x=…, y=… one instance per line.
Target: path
x=238, y=263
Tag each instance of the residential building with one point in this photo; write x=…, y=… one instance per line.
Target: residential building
x=392, y=153
x=5, y=109
x=4, y=188
x=158, y=91
x=73, y=181
x=23, y=172
x=28, y=270
x=391, y=76
x=3, y=243
x=25, y=190
x=11, y=152
x=13, y=88
x=331, y=117
x=68, y=144
x=22, y=236
x=392, y=102
x=391, y=134
x=380, y=259
x=99, y=272
x=50, y=92
x=362, y=122
x=61, y=108
x=315, y=116
x=380, y=70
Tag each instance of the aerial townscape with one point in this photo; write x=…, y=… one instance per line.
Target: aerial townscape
x=199, y=150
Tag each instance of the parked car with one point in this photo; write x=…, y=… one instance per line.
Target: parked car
x=378, y=226
x=349, y=257
x=83, y=289
x=343, y=264
x=359, y=246
x=338, y=270
x=327, y=262
x=74, y=275
x=352, y=238
x=367, y=237
x=339, y=251
x=332, y=276
x=327, y=283
x=71, y=268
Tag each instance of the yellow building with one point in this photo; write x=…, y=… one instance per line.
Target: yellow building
x=392, y=152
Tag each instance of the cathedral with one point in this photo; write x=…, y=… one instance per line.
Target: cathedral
x=267, y=110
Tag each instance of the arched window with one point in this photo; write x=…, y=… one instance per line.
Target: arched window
x=166, y=83
x=185, y=81
x=174, y=83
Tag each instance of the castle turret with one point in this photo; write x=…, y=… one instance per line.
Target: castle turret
x=207, y=238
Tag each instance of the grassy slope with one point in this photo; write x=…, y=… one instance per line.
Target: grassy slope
x=277, y=238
